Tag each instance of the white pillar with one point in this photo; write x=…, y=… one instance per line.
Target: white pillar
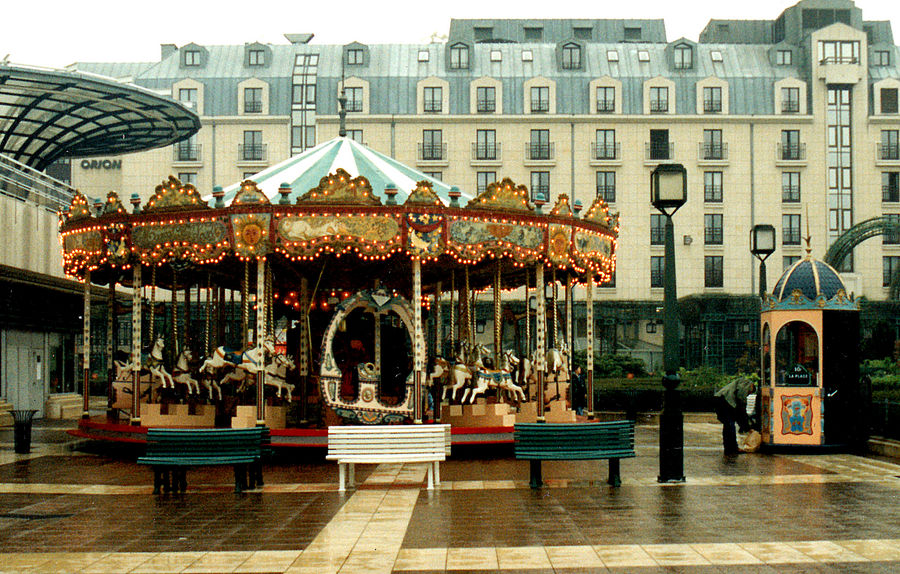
x=136, y=310
x=589, y=331
x=540, y=362
x=260, y=336
x=418, y=350
x=86, y=349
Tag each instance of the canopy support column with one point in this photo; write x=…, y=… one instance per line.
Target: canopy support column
x=418, y=351
x=304, y=346
x=259, y=341
x=454, y=342
x=86, y=349
x=136, y=312
x=541, y=328
x=589, y=332
x=570, y=343
x=110, y=345
x=438, y=348
x=527, y=315
x=498, y=352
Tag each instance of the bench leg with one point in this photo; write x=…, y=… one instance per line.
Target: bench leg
x=179, y=476
x=342, y=477
x=437, y=473
x=614, y=478
x=352, y=475
x=258, y=474
x=535, y=467
x=240, y=477
x=430, y=475
x=158, y=474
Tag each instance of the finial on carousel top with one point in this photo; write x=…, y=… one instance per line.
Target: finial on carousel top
x=808, y=238
x=285, y=190
x=249, y=194
x=562, y=207
x=454, y=194
x=112, y=206
x=135, y=203
x=391, y=191
x=219, y=194
x=172, y=195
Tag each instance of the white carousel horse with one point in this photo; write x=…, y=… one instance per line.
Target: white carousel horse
x=182, y=373
x=248, y=362
x=153, y=363
x=521, y=369
x=500, y=379
x=277, y=371
x=463, y=370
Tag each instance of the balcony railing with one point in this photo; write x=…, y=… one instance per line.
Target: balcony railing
x=790, y=236
x=712, y=193
x=606, y=106
x=659, y=106
x=541, y=192
x=540, y=106
x=432, y=106
x=657, y=236
x=539, y=151
x=712, y=236
x=712, y=106
x=654, y=151
x=792, y=152
x=790, y=106
x=432, y=151
x=790, y=193
x=839, y=60
x=889, y=152
x=483, y=151
x=890, y=193
x=187, y=152
x=713, y=151
x=486, y=106
x=607, y=151
x=606, y=192
x=252, y=106
x=253, y=152
x=354, y=105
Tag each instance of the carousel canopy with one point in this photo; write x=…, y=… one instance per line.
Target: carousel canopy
x=305, y=171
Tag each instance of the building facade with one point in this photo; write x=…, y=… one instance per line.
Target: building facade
x=792, y=122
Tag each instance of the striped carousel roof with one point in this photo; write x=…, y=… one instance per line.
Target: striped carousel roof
x=303, y=172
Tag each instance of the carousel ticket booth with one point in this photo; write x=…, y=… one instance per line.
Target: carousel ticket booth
x=810, y=393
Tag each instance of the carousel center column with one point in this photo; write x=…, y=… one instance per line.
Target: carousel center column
x=589, y=332
x=260, y=340
x=418, y=339
x=86, y=348
x=136, y=345
x=540, y=335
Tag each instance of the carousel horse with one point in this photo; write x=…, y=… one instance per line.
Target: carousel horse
x=182, y=373
x=242, y=363
x=276, y=374
x=152, y=363
x=521, y=369
x=554, y=369
x=501, y=379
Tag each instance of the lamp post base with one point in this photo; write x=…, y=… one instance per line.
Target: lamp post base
x=671, y=432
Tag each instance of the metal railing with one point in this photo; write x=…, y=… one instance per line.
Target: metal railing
x=839, y=60
x=253, y=152
x=606, y=106
x=712, y=106
x=186, y=152
x=659, y=151
x=432, y=151
x=354, y=105
x=890, y=152
x=890, y=193
x=790, y=106
x=605, y=150
x=712, y=193
x=712, y=236
x=484, y=151
x=606, y=192
x=539, y=151
x=540, y=106
x=790, y=236
x=792, y=152
x=713, y=151
x=22, y=182
x=486, y=106
x=790, y=193
x=657, y=235
x=252, y=106
x=431, y=106
x=659, y=106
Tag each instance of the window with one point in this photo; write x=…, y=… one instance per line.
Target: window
x=790, y=145
x=659, y=147
x=789, y=260
x=790, y=187
x=712, y=229
x=713, y=275
x=606, y=186
x=659, y=100
x=423, y=55
x=486, y=99
x=643, y=56
x=355, y=135
x=253, y=100
x=539, y=145
x=432, y=145
x=438, y=175
x=527, y=56
x=612, y=56
x=890, y=186
x=657, y=229
x=540, y=186
x=605, y=145
x=188, y=97
x=355, y=57
x=888, y=100
x=433, y=100
x=253, y=148
x=657, y=270
x=712, y=100
x=256, y=58
x=459, y=57
x=303, y=137
x=188, y=177
x=540, y=99
x=582, y=33
x=496, y=56
x=534, y=34
x=890, y=266
x=684, y=57
x=716, y=56
x=571, y=57
x=484, y=178
x=783, y=58
x=483, y=33
x=790, y=229
x=192, y=58
x=881, y=58
x=891, y=229
x=249, y=175
x=632, y=34
x=838, y=52
x=889, y=145
x=790, y=100
x=187, y=150
x=306, y=60
x=486, y=144
x=354, y=99
x=713, y=148
x=606, y=100
x=306, y=94
x=712, y=186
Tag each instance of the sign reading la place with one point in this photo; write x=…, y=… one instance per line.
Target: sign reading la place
x=101, y=164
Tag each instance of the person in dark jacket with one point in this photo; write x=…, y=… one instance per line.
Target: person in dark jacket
x=731, y=408
x=579, y=391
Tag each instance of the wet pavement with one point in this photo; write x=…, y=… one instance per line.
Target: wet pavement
x=93, y=510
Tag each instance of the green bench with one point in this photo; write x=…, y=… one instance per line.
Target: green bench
x=612, y=440
x=172, y=451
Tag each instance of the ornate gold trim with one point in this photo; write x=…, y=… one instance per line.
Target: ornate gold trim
x=340, y=188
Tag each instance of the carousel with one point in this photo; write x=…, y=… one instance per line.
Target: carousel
x=338, y=287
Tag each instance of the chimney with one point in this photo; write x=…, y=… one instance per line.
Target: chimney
x=166, y=50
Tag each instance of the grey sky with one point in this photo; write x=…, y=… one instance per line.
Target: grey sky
x=55, y=33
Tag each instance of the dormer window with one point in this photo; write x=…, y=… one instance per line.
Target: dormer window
x=716, y=56
x=881, y=58
x=192, y=58
x=684, y=57
x=835, y=52
x=496, y=56
x=423, y=55
x=459, y=57
x=527, y=56
x=632, y=34
x=355, y=57
x=612, y=56
x=783, y=58
x=256, y=58
x=582, y=33
x=571, y=57
x=534, y=34
x=643, y=56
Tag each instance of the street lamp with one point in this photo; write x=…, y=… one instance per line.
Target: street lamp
x=668, y=192
x=762, y=244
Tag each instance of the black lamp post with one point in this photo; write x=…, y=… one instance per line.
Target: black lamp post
x=762, y=244
x=668, y=192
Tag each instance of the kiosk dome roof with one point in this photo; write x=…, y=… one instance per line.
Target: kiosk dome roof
x=812, y=278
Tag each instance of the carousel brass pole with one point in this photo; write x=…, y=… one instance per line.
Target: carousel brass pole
x=304, y=346
x=136, y=311
x=86, y=348
x=470, y=321
x=570, y=344
x=541, y=328
x=527, y=315
x=497, y=317
x=589, y=303
x=453, y=341
x=153, y=306
x=176, y=343
x=258, y=341
x=438, y=345
x=553, y=339
x=245, y=304
x=188, y=312
x=110, y=344
x=418, y=350
x=208, y=314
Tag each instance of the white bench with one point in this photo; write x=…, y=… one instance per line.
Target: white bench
x=350, y=445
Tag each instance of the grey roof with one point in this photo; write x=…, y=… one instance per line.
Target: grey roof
x=737, y=32
x=557, y=30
